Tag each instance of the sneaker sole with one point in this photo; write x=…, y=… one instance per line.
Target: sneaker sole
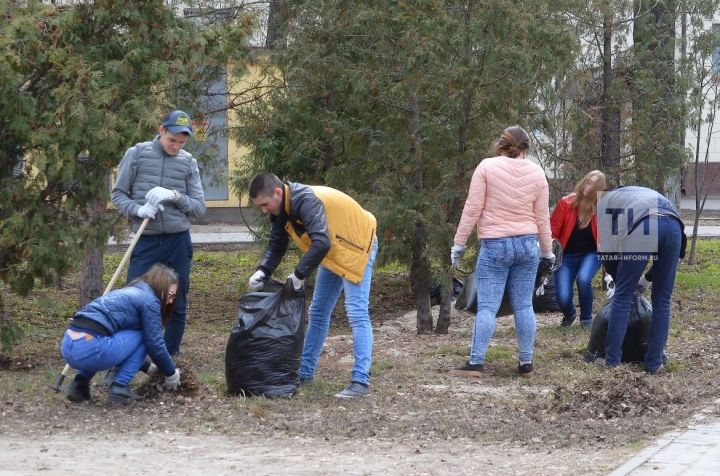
x=466, y=373
x=337, y=395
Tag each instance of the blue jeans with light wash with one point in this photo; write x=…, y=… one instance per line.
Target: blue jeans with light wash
x=513, y=262
x=174, y=250
x=579, y=267
x=124, y=349
x=328, y=287
x=628, y=274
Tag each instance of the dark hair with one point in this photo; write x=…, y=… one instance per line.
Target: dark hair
x=263, y=184
x=160, y=278
x=513, y=141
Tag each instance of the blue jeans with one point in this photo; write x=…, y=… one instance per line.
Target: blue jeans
x=626, y=281
x=511, y=261
x=124, y=349
x=580, y=267
x=174, y=250
x=328, y=286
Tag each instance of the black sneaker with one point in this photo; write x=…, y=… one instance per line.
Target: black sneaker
x=79, y=390
x=586, y=324
x=525, y=369
x=122, y=395
x=469, y=370
x=567, y=321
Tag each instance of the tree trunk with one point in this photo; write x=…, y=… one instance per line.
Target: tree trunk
x=443, y=322
x=419, y=266
x=656, y=123
x=455, y=205
x=610, y=111
x=91, y=276
x=276, y=27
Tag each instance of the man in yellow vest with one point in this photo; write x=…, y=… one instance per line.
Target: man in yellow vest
x=337, y=237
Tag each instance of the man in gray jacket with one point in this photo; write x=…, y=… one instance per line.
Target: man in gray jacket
x=161, y=181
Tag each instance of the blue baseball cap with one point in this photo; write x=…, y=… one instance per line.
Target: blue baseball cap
x=178, y=121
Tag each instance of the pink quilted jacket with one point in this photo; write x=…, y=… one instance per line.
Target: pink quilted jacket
x=507, y=197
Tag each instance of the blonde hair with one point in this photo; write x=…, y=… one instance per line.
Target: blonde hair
x=586, y=201
x=161, y=278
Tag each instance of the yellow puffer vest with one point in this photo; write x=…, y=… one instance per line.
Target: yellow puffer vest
x=351, y=229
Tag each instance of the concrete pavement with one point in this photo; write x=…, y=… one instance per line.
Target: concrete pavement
x=240, y=234
x=209, y=234
x=690, y=452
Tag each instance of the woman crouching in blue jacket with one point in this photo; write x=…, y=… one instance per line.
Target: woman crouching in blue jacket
x=117, y=330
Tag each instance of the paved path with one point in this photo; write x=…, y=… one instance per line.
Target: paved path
x=219, y=233
x=691, y=452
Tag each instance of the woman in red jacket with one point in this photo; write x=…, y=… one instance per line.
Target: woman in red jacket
x=573, y=222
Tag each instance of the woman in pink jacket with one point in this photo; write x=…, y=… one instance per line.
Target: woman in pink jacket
x=508, y=204
x=574, y=223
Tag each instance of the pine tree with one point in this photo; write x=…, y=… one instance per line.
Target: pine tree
x=396, y=103
x=82, y=82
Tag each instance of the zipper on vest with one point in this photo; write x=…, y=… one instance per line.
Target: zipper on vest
x=162, y=184
x=344, y=240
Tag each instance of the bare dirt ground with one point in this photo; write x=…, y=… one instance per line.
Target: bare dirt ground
x=202, y=432
x=570, y=418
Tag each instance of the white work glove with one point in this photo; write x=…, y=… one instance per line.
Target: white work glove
x=297, y=282
x=257, y=280
x=609, y=286
x=540, y=291
x=147, y=211
x=548, y=256
x=643, y=284
x=157, y=195
x=456, y=254
x=173, y=381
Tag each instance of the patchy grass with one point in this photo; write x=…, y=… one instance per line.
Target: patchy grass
x=414, y=398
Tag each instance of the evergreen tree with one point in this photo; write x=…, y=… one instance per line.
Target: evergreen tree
x=81, y=83
x=396, y=103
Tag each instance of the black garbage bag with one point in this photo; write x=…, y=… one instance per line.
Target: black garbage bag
x=467, y=299
x=634, y=346
x=264, y=348
x=436, y=291
x=547, y=302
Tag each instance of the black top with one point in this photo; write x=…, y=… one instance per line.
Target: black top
x=307, y=215
x=581, y=240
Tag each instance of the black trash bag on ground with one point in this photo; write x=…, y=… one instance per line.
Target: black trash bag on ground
x=264, y=348
x=436, y=291
x=467, y=299
x=634, y=346
x=547, y=302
